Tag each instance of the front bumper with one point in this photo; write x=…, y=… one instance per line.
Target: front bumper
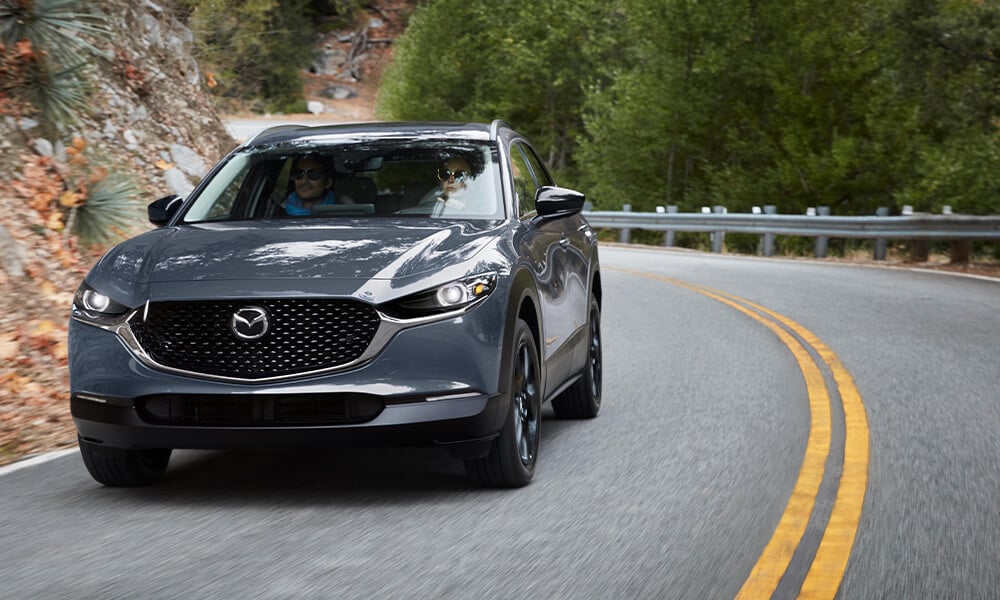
x=434, y=383
x=116, y=422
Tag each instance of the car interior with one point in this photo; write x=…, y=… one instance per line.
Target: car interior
x=367, y=182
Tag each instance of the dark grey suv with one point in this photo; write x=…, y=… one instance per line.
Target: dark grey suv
x=384, y=283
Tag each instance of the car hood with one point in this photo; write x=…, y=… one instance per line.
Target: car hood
x=219, y=252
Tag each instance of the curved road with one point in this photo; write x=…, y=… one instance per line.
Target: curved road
x=722, y=465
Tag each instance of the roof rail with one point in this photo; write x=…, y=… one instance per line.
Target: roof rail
x=495, y=128
x=272, y=129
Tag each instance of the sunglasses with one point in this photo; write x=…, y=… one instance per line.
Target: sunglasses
x=312, y=174
x=446, y=174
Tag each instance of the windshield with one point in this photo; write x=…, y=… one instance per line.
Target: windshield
x=428, y=179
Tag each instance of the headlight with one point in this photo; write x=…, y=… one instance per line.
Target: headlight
x=449, y=297
x=94, y=307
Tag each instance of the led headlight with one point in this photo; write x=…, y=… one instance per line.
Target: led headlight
x=94, y=307
x=449, y=297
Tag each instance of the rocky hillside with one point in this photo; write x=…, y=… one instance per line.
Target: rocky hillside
x=150, y=120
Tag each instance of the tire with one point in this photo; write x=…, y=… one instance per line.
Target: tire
x=582, y=400
x=118, y=467
x=512, y=456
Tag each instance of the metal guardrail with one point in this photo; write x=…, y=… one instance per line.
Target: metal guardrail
x=930, y=227
x=920, y=227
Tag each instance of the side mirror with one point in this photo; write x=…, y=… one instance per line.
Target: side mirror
x=161, y=211
x=552, y=201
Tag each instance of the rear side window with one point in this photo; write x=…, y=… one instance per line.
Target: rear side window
x=524, y=182
x=529, y=174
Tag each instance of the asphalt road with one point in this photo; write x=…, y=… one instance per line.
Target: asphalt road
x=672, y=492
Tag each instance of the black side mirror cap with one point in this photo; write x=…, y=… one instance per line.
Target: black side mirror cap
x=553, y=201
x=161, y=211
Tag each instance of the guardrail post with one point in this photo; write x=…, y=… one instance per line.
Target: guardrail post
x=718, y=237
x=821, y=241
x=625, y=233
x=670, y=237
x=880, y=244
x=961, y=251
x=769, y=209
x=920, y=249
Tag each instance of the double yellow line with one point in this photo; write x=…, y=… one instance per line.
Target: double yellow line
x=828, y=566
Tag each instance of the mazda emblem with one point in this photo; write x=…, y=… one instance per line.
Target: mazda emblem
x=250, y=323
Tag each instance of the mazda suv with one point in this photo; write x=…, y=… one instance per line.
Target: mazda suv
x=363, y=284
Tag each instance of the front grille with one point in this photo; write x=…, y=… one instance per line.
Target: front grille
x=258, y=410
x=304, y=335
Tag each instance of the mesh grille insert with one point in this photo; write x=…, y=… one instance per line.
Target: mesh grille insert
x=303, y=335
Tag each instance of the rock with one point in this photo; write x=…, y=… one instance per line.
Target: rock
x=139, y=114
x=329, y=62
x=338, y=92
x=153, y=36
x=13, y=254
x=177, y=182
x=187, y=160
x=27, y=124
x=130, y=138
x=315, y=107
x=43, y=147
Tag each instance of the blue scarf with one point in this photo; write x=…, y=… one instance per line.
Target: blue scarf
x=294, y=207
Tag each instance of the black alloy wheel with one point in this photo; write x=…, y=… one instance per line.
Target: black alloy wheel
x=512, y=457
x=583, y=399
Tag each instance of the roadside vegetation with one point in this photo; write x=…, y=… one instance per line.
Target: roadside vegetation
x=847, y=104
x=254, y=51
x=46, y=58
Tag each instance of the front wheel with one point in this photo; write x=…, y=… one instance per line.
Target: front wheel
x=117, y=467
x=583, y=399
x=511, y=461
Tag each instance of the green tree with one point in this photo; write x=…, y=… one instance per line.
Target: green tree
x=948, y=70
x=852, y=105
x=531, y=67
x=256, y=50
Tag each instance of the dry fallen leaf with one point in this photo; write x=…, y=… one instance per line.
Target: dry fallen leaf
x=41, y=200
x=55, y=222
x=164, y=165
x=60, y=351
x=43, y=327
x=70, y=199
x=8, y=347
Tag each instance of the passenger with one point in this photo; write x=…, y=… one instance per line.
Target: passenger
x=313, y=186
x=454, y=174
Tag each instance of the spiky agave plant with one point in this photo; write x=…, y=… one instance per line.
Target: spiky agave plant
x=58, y=94
x=109, y=212
x=58, y=32
x=60, y=27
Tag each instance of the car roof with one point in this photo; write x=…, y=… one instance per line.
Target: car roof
x=344, y=132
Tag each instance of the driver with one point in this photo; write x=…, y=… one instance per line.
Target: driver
x=313, y=185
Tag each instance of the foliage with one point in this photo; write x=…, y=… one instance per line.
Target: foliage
x=255, y=50
x=60, y=26
x=109, y=211
x=458, y=61
x=44, y=47
x=805, y=103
